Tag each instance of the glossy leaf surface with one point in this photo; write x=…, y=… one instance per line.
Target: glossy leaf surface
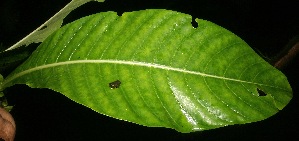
x=153, y=68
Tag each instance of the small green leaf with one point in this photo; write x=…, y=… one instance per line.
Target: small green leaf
x=54, y=23
x=3, y=101
x=153, y=68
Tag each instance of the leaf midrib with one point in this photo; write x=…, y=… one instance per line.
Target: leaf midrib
x=132, y=63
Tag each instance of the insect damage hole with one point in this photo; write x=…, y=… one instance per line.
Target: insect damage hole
x=42, y=28
x=261, y=93
x=114, y=84
x=194, y=23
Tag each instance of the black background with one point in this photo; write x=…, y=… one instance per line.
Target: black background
x=43, y=115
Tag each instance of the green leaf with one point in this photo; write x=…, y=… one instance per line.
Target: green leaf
x=54, y=23
x=153, y=68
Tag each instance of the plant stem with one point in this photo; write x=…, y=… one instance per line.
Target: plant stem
x=289, y=55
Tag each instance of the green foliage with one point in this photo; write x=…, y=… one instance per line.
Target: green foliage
x=10, y=59
x=3, y=101
x=153, y=68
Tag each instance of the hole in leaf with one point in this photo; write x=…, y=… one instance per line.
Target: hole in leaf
x=114, y=84
x=44, y=27
x=261, y=93
x=194, y=23
x=120, y=13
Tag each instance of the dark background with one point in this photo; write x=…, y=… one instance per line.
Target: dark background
x=43, y=115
